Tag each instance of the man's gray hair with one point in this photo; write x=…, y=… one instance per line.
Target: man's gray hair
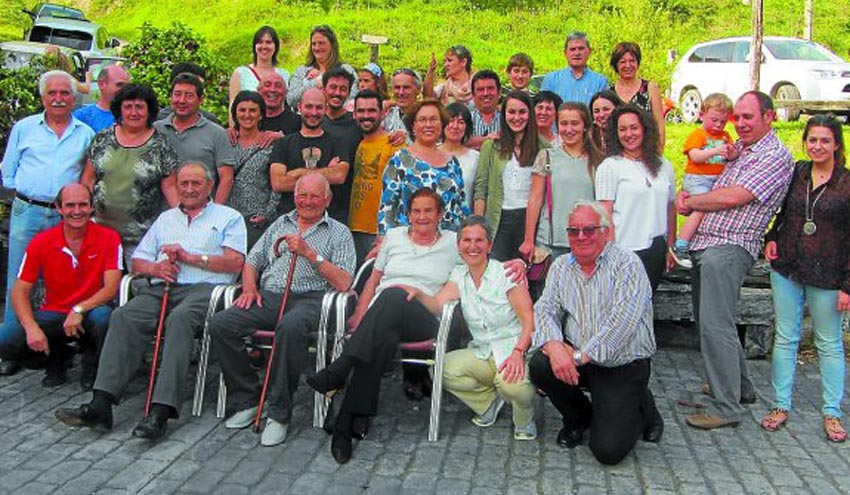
x=47, y=76
x=207, y=173
x=597, y=208
x=577, y=35
x=321, y=177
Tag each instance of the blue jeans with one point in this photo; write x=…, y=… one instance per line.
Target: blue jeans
x=788, y=300
x=26, y=221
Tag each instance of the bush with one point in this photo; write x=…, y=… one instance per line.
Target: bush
x=19, y=93
x=156, y=51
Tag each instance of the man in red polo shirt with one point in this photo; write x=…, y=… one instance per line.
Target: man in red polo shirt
x=81, y=264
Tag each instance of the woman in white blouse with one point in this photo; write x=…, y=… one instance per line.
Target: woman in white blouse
x=455, y=135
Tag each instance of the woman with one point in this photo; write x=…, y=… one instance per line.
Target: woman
x=457, y=64
x=323, y=56
x=546, y=105
x=456, y=134
x=625, y=60
x=503, y=179
x=266, y=48
x=807, y=249
x=252, y=194
x=637, y=186
x=371, y=77
x=499, y=315
x=561, y=176
x=130, y=167
x=422, y=164
x=602, y=104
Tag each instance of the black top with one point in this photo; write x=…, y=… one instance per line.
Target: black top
x=287, y=122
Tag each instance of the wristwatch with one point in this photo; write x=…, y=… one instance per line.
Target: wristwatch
x=577, y=357
x=78, y=309
x=319, y=260
x=205, y=260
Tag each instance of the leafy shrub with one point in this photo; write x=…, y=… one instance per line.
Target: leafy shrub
x=19, y=93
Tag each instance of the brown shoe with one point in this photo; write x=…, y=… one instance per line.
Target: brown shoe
x=745, y=398
x=706, y=421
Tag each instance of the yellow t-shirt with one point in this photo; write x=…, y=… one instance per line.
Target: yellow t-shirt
x=369, y=163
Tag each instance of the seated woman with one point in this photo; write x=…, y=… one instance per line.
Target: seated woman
x=499, y=316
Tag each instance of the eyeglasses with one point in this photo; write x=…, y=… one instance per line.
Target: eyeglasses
x=428, y=120
x=588, y=231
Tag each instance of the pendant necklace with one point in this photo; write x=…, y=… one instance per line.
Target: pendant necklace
x=809, y=226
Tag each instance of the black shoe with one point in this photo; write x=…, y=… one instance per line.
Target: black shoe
x=654, y=429
x=9, y=368
x=325, y=382
x=151, y=427
x=341, y=448
x=87, y=376
x=360, y=427
x=414, y=390
x=54, y=378
x=570, y=436
x=85, y=415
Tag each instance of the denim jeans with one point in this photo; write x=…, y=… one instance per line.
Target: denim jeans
x=26, y=221
x=788, y=300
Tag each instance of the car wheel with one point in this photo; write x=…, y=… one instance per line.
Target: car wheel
x=690, y=105
x=672, y=116
x=787, y=92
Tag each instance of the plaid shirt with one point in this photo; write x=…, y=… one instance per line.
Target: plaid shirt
x=481, y=128
x=764, y=169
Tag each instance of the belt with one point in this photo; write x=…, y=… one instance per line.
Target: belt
x=43, y=204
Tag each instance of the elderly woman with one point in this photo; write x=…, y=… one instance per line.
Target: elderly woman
x=807, y=249
x=266, y=48
x=546, y=105
x=602, y=105
x=455, y=136
x=130, y=167
x=457, y=64
x=638, y=187
x=499, y=315
x=252, y=194
x=323, y=56
x=631, y=88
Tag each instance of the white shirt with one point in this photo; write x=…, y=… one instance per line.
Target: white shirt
x=516, y=182
x=469, y=165
x=425, y=267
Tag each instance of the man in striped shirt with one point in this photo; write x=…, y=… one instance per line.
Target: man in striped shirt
x=594, y=331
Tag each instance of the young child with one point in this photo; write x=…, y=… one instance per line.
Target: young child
x=519, y=71
x=708, y=148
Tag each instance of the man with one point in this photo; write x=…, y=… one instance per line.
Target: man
x=279, y=117
x=192, y=248
x=486, y=116
x=370, y=161
x=727, y=243
x=325, y=261
x=594, y=330
x=406, y=88
x=197, y=71
x=98, y=115
x=81, y=263
x=45, y=152
x=336, y=85
x=195, y=138
x=575, y=82
x=310, y=149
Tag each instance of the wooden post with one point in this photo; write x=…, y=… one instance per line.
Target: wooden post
x=374, y=42
x=809, y=15
x=755, y=46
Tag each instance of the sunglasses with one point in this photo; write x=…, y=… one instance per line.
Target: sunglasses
x=588, y=231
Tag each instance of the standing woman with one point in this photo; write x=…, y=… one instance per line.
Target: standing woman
x=625, y=60
x=456, y=134
x=323, y=56
x=503, y=179
x=457, y=64
x=252, y=194
x=602, y=104
x=807, y=249
x=638, y=187
x=247, y=77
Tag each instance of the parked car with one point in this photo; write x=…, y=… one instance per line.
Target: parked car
x=44, y=9
x=791, y=69
x=89, y=38
x=18, y=54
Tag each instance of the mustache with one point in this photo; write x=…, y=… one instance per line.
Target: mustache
x=58, y=104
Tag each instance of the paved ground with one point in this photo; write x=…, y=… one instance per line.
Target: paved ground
x=200, y=456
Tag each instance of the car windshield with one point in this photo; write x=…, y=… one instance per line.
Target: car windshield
x=798, y=50
x=77, y=40
x=49, y=10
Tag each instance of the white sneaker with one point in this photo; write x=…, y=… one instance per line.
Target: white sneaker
x=242, y=419
x=274, y=433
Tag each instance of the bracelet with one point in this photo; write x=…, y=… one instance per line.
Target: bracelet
x=521, y=351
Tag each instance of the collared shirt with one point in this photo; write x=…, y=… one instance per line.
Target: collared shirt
x=70, y=279
x=94, y=117
x=38, y=163
x=328, y=237
x=479, y=126
x=764, y=169
x=608, y=314
x=394, y=120
x=202, y=142
x=564, y=83
x=215, y=228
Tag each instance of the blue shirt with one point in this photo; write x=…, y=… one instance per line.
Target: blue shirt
x=214, y=229
x=94, y=117
x=565, y=84
x=38, y=163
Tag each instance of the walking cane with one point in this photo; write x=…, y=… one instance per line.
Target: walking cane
x=284, y=297
x=156, y=345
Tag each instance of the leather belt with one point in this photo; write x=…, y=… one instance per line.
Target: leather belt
x=43, y=204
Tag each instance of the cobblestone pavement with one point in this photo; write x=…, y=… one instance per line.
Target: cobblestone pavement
x=199, y=456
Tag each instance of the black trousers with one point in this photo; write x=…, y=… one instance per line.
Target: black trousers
x=509, y=235
x=616, y=414
x=654, y=259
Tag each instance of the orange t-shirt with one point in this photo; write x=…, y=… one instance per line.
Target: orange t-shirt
x=369, y=164
x=702, y=139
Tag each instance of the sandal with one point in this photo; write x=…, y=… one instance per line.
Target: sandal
x=776, y=418
x=833, y=429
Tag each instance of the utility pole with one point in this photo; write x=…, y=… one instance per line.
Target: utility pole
x=755, y=45
x=810, y=19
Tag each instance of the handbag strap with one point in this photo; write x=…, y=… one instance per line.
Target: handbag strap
x=253, y=71
x=549, y=197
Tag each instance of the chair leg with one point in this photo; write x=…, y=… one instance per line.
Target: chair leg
x=221, y=404
x=320, y=402
x=203, y=360
x=437, y=371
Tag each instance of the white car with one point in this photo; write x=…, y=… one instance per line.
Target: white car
x=791, y=69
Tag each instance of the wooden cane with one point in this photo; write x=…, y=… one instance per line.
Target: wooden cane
x=156, y=345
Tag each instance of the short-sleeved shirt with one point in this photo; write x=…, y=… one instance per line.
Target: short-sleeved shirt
x=94, y=117
x=327, y=237
x=403, y=262
x=368, y=168
x=215, y=228
x=469, y=164
x=564, y=84
x=287, y=122
x=641, y=200
x=491, y=319
x=70, y=279
x=347, y=133
x=252, y=190
x=703, y=140
x=248, y=80
x=764, y=169
x=482, y=128
x=202, y=142
x=570, y=182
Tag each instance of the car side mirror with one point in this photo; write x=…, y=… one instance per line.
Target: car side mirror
x=114, y=42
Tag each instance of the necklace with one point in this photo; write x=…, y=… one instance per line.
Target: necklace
x=430, y=243
x=642, y=169
x=809, y=226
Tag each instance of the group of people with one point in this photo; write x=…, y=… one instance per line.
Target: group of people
x=457, y=190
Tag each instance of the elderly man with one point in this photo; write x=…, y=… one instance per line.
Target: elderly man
x=97, y=115
x=192, y=247
x=575, y=82
x=81, y=264
x=279, y=117
x=486, y=116
x=406, y=86
x=325, y=260
x=727, y=243
x=195, y=138
x=594, y=330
